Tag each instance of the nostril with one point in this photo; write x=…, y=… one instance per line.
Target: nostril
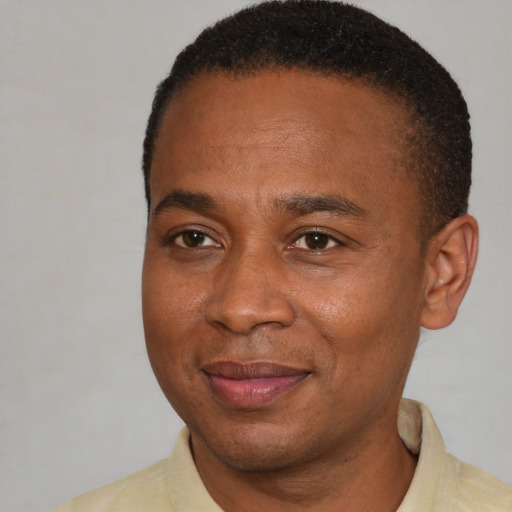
x=242, y=312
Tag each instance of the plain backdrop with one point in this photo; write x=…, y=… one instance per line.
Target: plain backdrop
x=79, y=404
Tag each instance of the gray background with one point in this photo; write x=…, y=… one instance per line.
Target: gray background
x=79, y=404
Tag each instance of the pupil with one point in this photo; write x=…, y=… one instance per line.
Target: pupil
x=316, y=241
x=193, y=238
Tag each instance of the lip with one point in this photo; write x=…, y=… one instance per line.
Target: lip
x=252, y=385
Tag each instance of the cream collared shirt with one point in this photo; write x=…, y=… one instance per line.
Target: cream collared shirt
x=441, y=483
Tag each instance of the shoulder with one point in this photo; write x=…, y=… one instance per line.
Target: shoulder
x=144, y=490
x=468, y=488
x=169, y=485
x=441, y=482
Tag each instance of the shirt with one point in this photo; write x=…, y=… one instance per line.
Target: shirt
x=441, y=483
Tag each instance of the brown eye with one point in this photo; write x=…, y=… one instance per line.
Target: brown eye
x=193, y=239
x=315, y=241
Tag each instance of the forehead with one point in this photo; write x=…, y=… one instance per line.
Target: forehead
x=288, y=100
x=283, y=132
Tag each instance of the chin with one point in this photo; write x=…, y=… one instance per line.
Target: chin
x=259, y=461
x=258, y=451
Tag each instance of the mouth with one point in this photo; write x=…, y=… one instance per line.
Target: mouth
x=252, y=385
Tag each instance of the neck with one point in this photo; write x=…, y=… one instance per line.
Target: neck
x=370, y=476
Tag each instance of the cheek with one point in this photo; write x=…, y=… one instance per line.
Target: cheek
x=170, y=315
x=171, y=300
x=366, y=306
x=371, y=331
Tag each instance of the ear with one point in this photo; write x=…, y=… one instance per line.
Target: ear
x=451, y=259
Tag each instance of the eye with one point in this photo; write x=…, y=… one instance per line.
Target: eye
x=193, y=238
x=315, y=241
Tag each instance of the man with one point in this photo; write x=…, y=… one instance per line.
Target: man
x=307, y=171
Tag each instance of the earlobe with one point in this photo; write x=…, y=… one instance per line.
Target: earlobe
x=451, y=259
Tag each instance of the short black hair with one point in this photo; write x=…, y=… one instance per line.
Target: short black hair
x=337, y=39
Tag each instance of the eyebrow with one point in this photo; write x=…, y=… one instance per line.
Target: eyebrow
x=306, y=205
x=182, y=200
x=295, y=205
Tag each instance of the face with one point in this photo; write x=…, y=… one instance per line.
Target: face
x=283, y=278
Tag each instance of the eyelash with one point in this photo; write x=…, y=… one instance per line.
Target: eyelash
x=171, y=240
x=329, y=239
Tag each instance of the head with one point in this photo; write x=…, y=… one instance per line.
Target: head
x=303, y=167
x=340, y=40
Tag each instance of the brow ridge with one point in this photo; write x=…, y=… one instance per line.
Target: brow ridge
x=306, y=205
x=296, y=204
x=183, y=200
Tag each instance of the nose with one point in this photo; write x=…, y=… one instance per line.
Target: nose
x=248, y=292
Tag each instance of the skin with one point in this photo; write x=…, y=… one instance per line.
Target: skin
x=282, y=232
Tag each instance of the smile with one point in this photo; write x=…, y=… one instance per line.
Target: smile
x=253, y=385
